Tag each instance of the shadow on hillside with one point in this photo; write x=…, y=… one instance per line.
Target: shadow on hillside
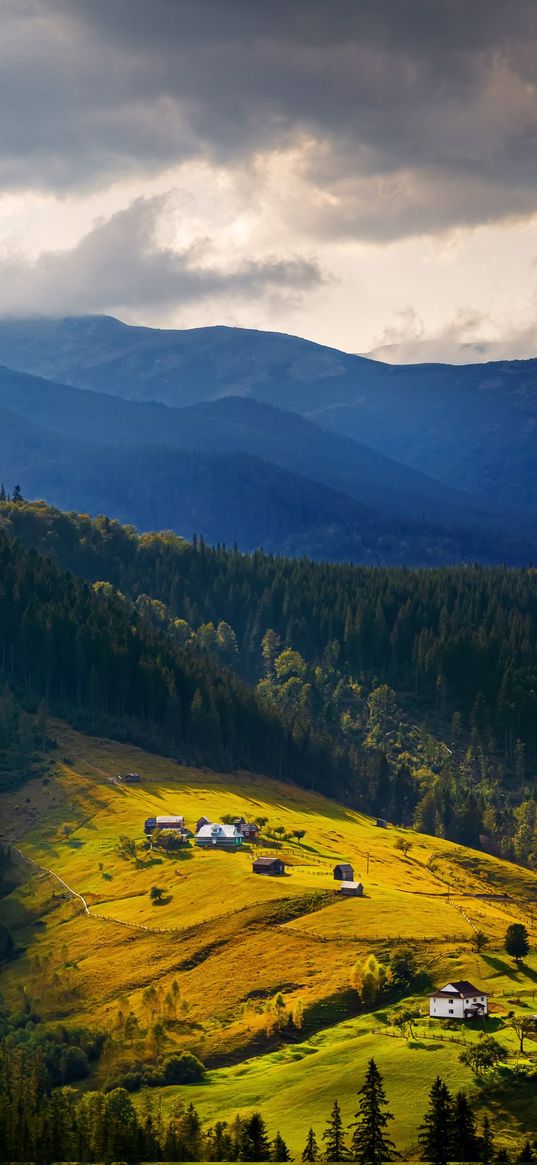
x=528, y=972
x=500, y=965
x=423, y=1046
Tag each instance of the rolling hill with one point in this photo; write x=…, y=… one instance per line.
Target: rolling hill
x=237, y=498
x=234, y=942
x=248, y=473
x=469, y=426
x=242, y=425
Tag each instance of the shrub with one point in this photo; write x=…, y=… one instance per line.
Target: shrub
x=180, y=1068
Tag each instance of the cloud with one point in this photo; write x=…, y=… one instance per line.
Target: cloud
x=468, y=337
x=121, y=265
x=418, y=115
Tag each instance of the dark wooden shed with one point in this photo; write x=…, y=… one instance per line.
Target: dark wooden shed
x=273, y=866
x=343, y=872
x=381, y=823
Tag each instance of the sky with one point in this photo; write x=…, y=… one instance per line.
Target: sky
x=359, y=172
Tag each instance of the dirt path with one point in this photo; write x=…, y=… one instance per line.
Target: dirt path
x=51, y=874
x=88, y=911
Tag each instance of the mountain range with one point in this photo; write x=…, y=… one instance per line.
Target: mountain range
x=284, y=444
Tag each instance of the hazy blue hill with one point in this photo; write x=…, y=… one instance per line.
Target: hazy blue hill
x=229, y=497
x=471, y=426
x=244, y=425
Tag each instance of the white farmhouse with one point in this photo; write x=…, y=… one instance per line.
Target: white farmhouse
x=221, y=835
x=460, y=1000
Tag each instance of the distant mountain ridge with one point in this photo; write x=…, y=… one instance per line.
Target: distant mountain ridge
x=472, y=427
x=243, y=425
x=230, y=497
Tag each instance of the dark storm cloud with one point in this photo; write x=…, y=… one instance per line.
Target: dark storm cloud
x=120, y=265
x=419, y=113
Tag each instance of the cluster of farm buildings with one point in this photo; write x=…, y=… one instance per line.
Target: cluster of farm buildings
x=460, y=1000
x=228, y=836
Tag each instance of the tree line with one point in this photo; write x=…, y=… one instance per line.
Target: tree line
x=39, y=1122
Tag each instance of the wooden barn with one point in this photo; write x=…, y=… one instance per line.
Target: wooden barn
x=202, y=821
x=381, y=823
x=250, y=831
x=343, y=872
x=129, y=778
x=351, y=889
x=271, y=866
x=171, y=821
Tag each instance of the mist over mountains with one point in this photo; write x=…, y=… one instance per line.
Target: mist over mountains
x=268, y=440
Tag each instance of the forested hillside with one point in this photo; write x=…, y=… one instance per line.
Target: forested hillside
x=94, y=657
x=421, y=684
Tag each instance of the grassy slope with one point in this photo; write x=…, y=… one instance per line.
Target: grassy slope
x=230, y=936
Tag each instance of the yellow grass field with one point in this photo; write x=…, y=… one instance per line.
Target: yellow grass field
x=231, y=940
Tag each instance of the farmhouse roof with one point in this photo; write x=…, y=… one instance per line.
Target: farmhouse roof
x=350, y=885
x=462, y=988
x=267, y=861
x=216, y=829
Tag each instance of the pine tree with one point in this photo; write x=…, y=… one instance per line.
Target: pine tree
x=370, y=1145
x=436, y=1133
x=279, y=1150
x=256, y=1130
x=334, y=1136
x=311, y=1148
x=465, y=1145
x=487, y=1142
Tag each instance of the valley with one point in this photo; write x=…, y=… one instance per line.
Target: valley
x=235, y=943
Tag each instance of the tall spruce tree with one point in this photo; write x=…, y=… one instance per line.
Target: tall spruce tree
x=465, y=1145
x=370, y=1145
x=486, y=1141
x=435, y=1134
x=311, y=1148
x=334, y=1137
x=256, y=1130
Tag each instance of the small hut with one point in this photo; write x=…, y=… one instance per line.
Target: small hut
x=129, y=778
x=343, y=872
x=271, y=866
x=250, y=831
x=351, y=889
x=381, y=823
